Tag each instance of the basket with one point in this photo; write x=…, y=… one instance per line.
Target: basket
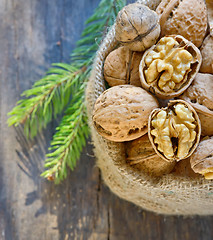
x=169, y=194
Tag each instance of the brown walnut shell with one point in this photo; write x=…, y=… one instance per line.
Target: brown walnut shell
x=183, y=169
x=200, y=96
x=174, y=131
x=202, y=159
x=186, y=17
x=152, y=4
x=137, y=27
x=141, y=155
x=207, y=56
x=176, y=62
x=209, y=4
x=122, y=67
x=121, y=113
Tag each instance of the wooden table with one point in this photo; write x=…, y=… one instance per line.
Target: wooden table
x=34, y=34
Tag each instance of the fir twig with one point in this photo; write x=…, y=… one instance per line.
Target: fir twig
x=47, y=98
x=50, y=95
x=69, y=140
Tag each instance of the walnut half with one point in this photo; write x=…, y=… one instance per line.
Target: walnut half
x=174, y=131
x=169, y=67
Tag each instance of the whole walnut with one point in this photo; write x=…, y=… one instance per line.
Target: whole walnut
x=137, y=27
x=207, y=56
x=200, y=96
x=187, y=18
x=122, y=67
x=183, y=169
x=209, y=4
x=202, y=159
x=121, y=112
x=152, y=4
x=141, y=155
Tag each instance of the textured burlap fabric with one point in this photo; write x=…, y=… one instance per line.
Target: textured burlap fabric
x=168, y=194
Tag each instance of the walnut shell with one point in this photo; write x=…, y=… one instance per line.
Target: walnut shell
x=187, y=18
x=141, y=155
x=202, y=159
x=200, y=96
x=152, y=4
x=174, y=131
x=121, y=113
x=183, y=169
x=168, y=68
x=209, y=5
x=137, y=27
x=122, y=67
x=207, y=56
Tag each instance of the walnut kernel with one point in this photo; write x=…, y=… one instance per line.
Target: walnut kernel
x=169, y=67
x=174, y=131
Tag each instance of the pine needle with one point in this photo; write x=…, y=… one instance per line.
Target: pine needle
x=52, y=94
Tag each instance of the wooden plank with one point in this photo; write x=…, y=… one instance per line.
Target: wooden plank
x=35, y=34
x=31, y=207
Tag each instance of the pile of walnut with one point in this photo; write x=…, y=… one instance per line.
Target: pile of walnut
x=160, y=96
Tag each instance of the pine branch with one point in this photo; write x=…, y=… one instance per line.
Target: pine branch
x=69, y=140
x=70, y=137
x=50, y=95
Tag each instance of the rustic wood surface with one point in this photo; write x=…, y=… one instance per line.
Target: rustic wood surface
x=34, y=34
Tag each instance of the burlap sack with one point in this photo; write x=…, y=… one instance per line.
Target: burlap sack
x=169, y=194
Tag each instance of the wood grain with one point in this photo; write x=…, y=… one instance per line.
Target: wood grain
x=34, y=34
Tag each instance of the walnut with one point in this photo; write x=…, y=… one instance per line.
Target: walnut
x=137, y=27
x=207, y=56
x=183, y=169
x=141, y=155
x=174, y=131
x=168, y=68
x=200, y=96
x=187, y=18
x=122, y=67
x=202, y=159
x=209, y=5
x=152, y=4
x=121, y=113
